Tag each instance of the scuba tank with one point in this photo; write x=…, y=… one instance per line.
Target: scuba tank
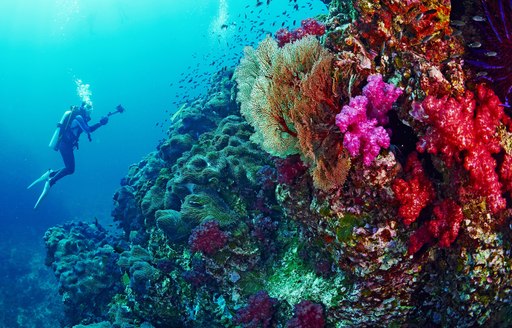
x=59, y=131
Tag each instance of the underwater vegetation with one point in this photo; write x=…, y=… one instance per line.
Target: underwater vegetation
x=353, y=173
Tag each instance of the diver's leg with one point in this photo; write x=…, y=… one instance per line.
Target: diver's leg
x=68, y=157
x=66, y=150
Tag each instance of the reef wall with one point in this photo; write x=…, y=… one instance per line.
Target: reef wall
x=353, y=172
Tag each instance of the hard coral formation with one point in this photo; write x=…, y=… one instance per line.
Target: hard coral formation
x=83, y=258
x=172, y=224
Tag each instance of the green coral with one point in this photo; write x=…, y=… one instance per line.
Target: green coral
x=171, y=223
x=293, y=281
x=174, y=147
x=204, y=206
x=135, y=254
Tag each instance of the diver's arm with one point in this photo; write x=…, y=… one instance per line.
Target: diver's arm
x=83, y=124
x=89, y=128
x=94, y=127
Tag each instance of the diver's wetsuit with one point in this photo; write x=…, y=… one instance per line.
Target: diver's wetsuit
x=68, y=143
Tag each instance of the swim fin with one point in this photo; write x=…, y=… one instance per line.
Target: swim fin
x=43, y=194
x=43, y=177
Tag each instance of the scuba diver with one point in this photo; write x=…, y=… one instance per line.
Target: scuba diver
x=65, y=140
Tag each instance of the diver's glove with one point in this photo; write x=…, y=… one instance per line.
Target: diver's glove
x=104, y=120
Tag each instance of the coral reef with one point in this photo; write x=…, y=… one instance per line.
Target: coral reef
x=356, y=174
x=84, y=261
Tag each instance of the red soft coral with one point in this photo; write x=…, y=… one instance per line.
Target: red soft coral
x=481, y=166
x=419, y=238
x=506, y=172
x=307, y=315
x=462, y=130
x=309, y=26
x=259, y=311
x=415, y=193
x=446, y=225
x=207, y=238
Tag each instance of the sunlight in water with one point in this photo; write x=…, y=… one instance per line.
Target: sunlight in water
x=65, y=12
x=219, y=25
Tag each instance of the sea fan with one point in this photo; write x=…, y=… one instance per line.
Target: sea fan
x=493, y=56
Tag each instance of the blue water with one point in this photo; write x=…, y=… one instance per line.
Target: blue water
x=150, y=56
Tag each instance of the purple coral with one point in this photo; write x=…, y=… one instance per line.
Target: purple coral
x=360, y=118
x=258, y=312
x=307, y=315
x=207, y=238
x=492, y=58
x=264, y=229
x=289, y=169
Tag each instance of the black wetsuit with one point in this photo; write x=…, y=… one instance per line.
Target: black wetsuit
x=67, y=144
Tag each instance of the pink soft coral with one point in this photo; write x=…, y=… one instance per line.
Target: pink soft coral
x=381, y=97
x=360, y=118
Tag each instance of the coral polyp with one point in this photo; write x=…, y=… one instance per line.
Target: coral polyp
x=492, y=56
